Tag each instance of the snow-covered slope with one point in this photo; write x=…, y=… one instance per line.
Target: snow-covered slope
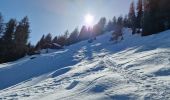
x=136, y=68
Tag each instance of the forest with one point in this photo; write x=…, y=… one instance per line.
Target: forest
x=146, y=17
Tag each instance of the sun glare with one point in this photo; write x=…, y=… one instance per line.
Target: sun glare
x=89, y=20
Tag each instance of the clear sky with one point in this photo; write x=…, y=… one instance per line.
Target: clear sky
x=56, y=16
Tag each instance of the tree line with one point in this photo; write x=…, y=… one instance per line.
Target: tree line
x=75, y=36
x=152, y=16
x=146, y=17
x=13, y=39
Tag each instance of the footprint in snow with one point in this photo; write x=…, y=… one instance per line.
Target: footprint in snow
x=72, y=85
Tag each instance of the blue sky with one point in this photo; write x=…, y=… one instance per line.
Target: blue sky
x=56, y=16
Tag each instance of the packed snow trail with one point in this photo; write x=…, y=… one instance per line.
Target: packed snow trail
x=137, y=68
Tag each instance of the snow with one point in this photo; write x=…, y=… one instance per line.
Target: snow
x=136, y=68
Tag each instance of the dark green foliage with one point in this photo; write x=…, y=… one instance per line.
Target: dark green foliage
x=13, y=42
x=120, y=21
x=156, y=16
x=84, y=34
x=149, y=20
x=7, y=42
x=1, y=33
x=66, y=36
x=30, y=49
x=1, y=25
x=21, y=37
x=63, y=39
x=110, y=26
x=73, y=38
x=55, y=39
x=164, y=15
x=132, y=18
x=44, y=42
x=126, y=22
x=98, y=29
x=47, y=41
x=114, y=20
x=117, y=34
x=40, y=44
x=139, y=14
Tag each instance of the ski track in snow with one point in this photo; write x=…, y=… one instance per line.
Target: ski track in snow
x=137, y=68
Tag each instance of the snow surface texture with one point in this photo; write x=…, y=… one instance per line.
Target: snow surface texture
x=137, y=68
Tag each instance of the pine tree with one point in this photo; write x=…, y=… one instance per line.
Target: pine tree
x=126, y=21
x=7, y=46
x=9, y=31
x=1, y=25
x=21, y=37
x=37, y=46
x=164, y=15
x=120, y=21
x=55, y=39
x=132, y=18
x=139, y=14
x=40, y=44
x=73, y=38
x=48, y=38
x=84, y=34
x=109, y=26
x=117, y=34
x=1, y=33
x=47, y=41
x=66, y=36
x=114, y=20
x=99, y=28
x=150, y=21
x=30, y=49
x=102, y=24
x=62, y=41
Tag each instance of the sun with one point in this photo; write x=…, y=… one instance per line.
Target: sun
x=89, y=20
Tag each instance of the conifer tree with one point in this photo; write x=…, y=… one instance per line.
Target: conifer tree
x=55, y=39
x=126, y=21
x=1, y=25
x=84, y=34
x=164, y=15
x=99, y=28
x=150, y=21
x=47, y=41
x=66, y=36
x=132, y=18
x=30, y=49
x=1, y=33
x=109, y=26
x=37, y=46
x=21, y=37
x=114, y=20
x=62, y=41
x=139, y=14
x=42, y=42
x=73, y=38
x=120, y=21
x=48, y=38
x=7, y=46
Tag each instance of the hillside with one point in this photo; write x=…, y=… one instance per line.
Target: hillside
x=136, y=68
